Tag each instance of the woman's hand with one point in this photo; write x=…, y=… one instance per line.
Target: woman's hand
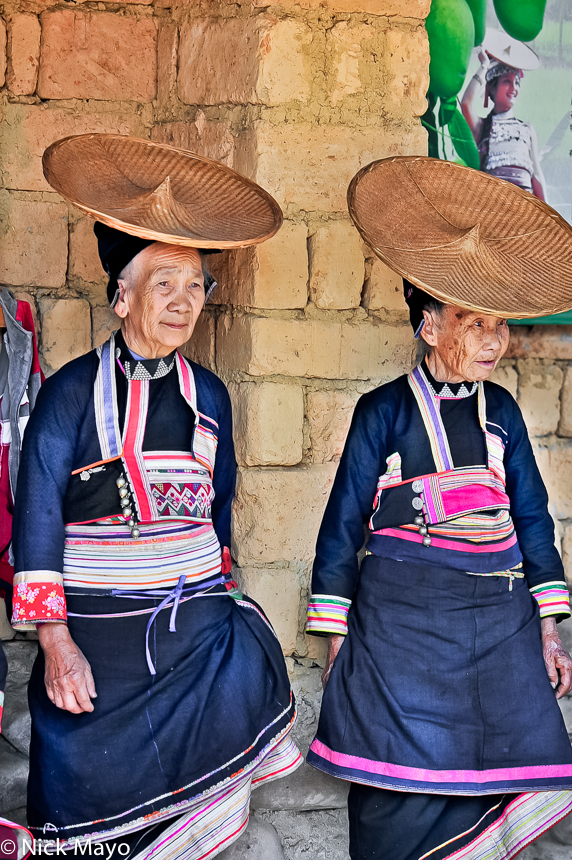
x=335, y=642
x=68, y=677
x=557, y=661
x=484, y=60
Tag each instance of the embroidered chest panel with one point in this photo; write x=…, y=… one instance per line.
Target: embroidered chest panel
x=180, y=488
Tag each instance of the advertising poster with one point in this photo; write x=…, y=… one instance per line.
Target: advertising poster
x=500, y=93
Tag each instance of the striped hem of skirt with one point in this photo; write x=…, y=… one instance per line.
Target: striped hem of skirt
x=523, y=820
x=218, y=819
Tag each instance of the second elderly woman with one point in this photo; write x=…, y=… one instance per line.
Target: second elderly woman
x=160, y=695
x=444, y=660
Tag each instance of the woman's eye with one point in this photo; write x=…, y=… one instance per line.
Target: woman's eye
x=196, y=286
x=163, y=284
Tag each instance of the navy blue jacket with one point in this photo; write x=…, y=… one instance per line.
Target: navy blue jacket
x=388, y=420
x=61, y=436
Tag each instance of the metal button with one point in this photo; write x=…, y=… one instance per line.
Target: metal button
x=124, y=503
x=121, y=482
x=417, y=486
x=426, y=541
x=135, y=533
x=422, y=530
x=123, y=492
x=419, y=521
x=417, y=503
x=127, y=512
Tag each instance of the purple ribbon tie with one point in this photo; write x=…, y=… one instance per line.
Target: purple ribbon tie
x=174, y=595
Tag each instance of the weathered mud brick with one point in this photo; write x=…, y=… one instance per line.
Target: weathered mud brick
x=277, y=513
x=27, y=130
x=33, y=242
x=66, y=330
x=23, y=53
x=243, y=61
x=97, y=55
x=336, y=266
x=268, y=422
x=539, y=395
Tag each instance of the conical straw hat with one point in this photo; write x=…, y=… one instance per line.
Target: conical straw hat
x=158, y=192
x=509, y=51
x=465, y=237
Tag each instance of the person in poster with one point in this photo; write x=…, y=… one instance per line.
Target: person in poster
x=508, y=147
x=467, y=40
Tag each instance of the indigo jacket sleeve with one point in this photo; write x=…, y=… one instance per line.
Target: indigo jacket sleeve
x=534, y=526
x=350, y=505
x=224, y=475
x=38, y=527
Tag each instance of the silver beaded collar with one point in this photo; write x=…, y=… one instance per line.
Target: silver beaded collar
x=442, y=389
x=466, y=390
x=147, y=370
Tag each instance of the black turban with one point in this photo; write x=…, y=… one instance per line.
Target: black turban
x=417, y=300
x=117, y=249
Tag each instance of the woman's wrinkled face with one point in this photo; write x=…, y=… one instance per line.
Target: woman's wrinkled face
x=161, y=296
x=508, y=88
x=467, y=345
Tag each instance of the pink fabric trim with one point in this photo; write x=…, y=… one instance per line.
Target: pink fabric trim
x=501, y=774
x=448, y=544
x=185, y=374
x=210, y=420
x=465, y=499
x=24, y=316
x=10, y=825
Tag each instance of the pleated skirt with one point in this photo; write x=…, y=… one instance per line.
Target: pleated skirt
x=440, y=689
x=157, y=746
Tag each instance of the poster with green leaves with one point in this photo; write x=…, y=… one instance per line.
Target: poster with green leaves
x=500, y=93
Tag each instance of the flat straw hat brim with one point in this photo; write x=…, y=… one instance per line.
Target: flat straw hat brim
x=465, y=237
x=161, y=193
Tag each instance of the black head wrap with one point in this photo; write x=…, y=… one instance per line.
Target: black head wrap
x=417, y=300
x=117, y=249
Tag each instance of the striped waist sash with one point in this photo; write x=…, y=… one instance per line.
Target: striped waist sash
x=452, y=494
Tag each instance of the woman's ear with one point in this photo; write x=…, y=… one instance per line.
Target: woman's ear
x=428, y=332
x=121, y=307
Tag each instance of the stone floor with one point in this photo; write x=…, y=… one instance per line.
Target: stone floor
x=302, y=816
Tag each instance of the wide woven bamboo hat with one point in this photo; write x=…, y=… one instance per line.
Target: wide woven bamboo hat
x=465, y=237
x=161, y=193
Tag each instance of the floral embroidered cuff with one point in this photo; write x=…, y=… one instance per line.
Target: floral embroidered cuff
x=328, y=614
x=38, y=597
x=552, y=598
